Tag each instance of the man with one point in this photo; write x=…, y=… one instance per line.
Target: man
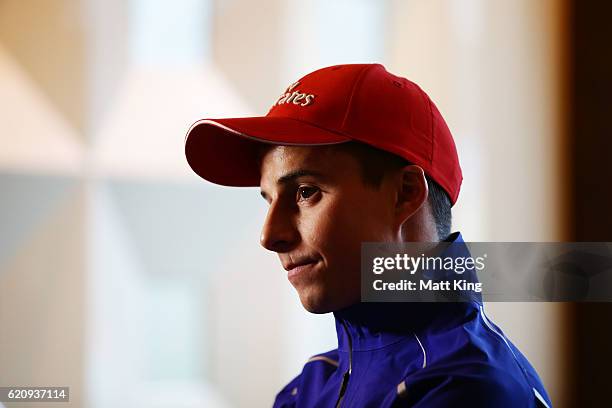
x=351, y=154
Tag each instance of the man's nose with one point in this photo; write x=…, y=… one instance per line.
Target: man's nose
x=279, y=233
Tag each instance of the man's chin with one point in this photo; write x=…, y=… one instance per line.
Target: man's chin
x=316, y=309
x=322, y=304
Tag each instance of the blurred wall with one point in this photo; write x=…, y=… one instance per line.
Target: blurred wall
x=157, y=277
x=495, y=70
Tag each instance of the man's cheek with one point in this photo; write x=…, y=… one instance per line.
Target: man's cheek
x=347, y=237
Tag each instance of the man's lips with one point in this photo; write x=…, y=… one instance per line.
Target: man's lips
x=304, y=261
x=295, y=268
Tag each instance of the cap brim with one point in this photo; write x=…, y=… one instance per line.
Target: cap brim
x=225, y=151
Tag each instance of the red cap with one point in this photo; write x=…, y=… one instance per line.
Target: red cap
x=360, y=102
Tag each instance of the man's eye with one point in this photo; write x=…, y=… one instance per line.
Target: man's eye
x=305, y=193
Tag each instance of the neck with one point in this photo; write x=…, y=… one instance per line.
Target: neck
x=377, y=324
x=421, y=227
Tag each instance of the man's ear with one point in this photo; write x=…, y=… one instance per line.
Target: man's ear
x=412, y=192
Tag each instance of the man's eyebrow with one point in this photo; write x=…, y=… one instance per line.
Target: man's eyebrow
x=292, y=176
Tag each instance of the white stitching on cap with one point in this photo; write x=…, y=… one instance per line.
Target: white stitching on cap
x=219, y=125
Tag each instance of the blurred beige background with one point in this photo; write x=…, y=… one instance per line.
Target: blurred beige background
x=127, y=278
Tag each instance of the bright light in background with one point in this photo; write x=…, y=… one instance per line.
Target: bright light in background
x=181, y=303
x=168, y=84
x=349, y=30
x=321, y=33
x=175, y=345
x=169, y=231
x=166, y=32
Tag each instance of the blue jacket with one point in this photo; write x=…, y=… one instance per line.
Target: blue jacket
x=417, y=355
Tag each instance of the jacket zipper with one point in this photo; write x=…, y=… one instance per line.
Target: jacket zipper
x=347, y=374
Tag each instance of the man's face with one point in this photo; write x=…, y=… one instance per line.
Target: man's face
x=320, y=212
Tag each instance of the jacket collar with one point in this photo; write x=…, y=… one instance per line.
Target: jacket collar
x=375, y=325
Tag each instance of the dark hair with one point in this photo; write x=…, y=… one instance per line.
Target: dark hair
x=375, y=163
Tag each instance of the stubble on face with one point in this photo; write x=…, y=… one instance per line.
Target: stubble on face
x=321, y=210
